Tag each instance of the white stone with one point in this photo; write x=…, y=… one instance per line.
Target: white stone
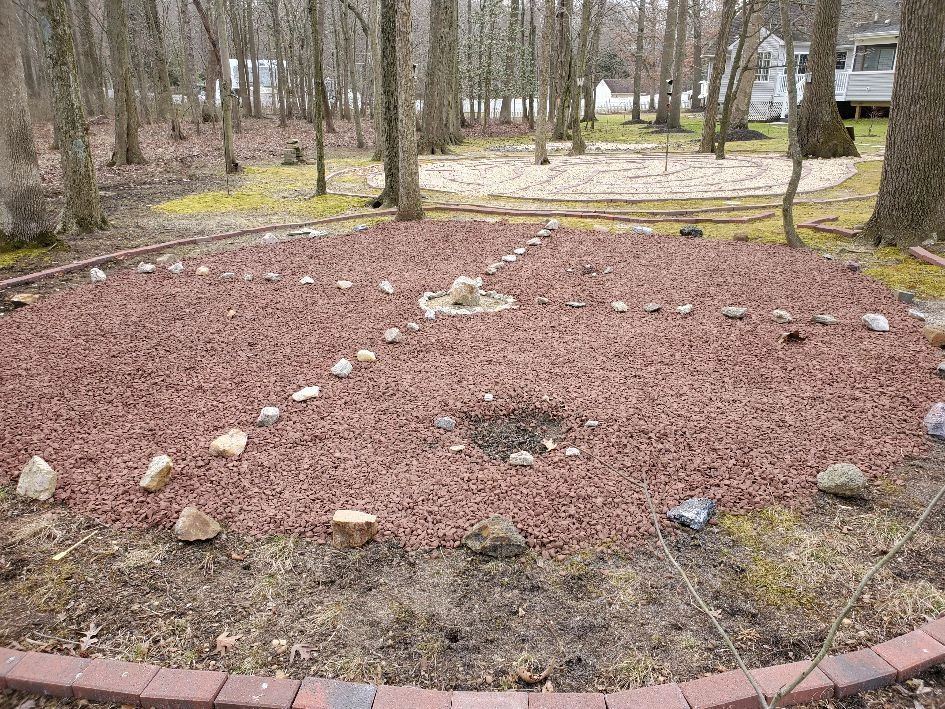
x=342, y=368
x=158, y=473
x=429, y=314
x=521, y=458
x=230, y=445
x=876, y=322
x=510, y=258
x=465, y=291
x=917, y=314
x=386, y=287
x=781, y=316
x=176, y=269
x=97, y=275
x=572, y=452
x=824, y=319
x=146, y=267
x=344, y=285
x=591, y=424
x=37, y=480
x=361, y=227
x=392, y=335
x=228, y=276
x=534, y=241
x=194, y=525
x=652, y=308
x=733, y=312
x=520, y=251
x=25, y=298
x=268, y=416
x=365, y=356
x=543, y=233
x=273, y=277
x=552, y=225
x=488, y=396
x=640, y=229
x=619, y=306
x=306, y=393
x=202, y=271
x=269, y=239
x=575, y=303
x=247, y=277
x=306, y=281
x=413, y=326
x=684, y=309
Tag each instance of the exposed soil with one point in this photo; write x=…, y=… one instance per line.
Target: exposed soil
x=742, y=134
x=526, y=429
x=99, y=379
x=662, y=130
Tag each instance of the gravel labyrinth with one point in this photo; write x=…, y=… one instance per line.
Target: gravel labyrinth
x=99, y=379
x=627, y=177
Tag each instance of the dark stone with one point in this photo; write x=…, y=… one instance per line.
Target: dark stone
x=694, y=513
x=691, y=231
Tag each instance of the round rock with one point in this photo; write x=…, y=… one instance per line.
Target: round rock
x=195, y=526
x=843, y=480
x=37, y=480
x=876, y=322
x=268, y=416
x=496, y=537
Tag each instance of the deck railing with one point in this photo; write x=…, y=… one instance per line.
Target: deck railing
x=840, y=79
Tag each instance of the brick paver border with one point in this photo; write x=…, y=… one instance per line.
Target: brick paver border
x=139, y=684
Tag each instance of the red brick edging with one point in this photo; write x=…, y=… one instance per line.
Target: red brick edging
x=139, y=684
x=819, y=224
x=926, y=256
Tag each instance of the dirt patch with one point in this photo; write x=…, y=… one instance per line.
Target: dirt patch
x=521, y=429
x=742, y=134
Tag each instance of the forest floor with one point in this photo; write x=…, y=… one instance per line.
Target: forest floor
x=601, y=619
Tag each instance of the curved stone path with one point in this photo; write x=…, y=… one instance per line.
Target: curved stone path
x=623, y=177
x=149, y=686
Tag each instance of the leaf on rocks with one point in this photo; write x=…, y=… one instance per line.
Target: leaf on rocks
x=792, y=336
x=88, y=637
x=226, y=642
x=549, y=444
x=303, y=651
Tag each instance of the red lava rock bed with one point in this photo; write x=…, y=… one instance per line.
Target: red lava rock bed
x=99, y=379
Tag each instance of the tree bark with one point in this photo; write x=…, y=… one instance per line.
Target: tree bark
x=544, y=52
x=666, y=62
x=733, y=80
x=505, y=112
x=564, y=62
x=319, y=104
x=83, y=207
x=910, y=206
x=638, y=59
x=280, y=61
x=707, y=144
x=219, y=46
x=590, y=65
x=159, y=57
x=408, y=202
x=127, y=150
x=254, y=58
x=93, y=87
x=350, y=39
x=438, y=125
x=794, y=148
x=390, y=129
x=487, y=78
x=578, y=146
x=679, y=58
x=187, y=64
x=23, y=215
x=821, y=131
x=696, y=16
x=746, y=82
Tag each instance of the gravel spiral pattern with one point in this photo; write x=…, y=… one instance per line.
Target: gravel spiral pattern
x=99, y=379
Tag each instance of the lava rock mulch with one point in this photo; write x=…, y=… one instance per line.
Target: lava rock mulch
x=99, y=379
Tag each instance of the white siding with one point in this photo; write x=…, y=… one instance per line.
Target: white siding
x=866, y=86
x=762, y=91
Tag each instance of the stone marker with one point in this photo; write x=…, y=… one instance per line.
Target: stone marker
x=413, y=327
x=268, y=416
x=361, y=227
x=445, y=423
x=306, y=393
x=521, y=458
x=202, y=271
x=97, y=275
x=342, y=368
x=392, y=335
x=195, y=526
x=619, y=306
x=520, y=251
x=876, y=322
x=21, y=299
x=782, y=316
x=591, y=424
x=652, y=308
x=914, y=313
x=230, y=445
x=824, y=319
x=306, y=281
x=534, y=241
x=247, y=277
x=935, y=334
x=684, y=309
x=575, y=303
x=843, y=480
x=351, y=529
x=158, y=473
x=176, y=269
x=544, y=233
x=272, y=277
x=344, y=285
x=690, y=231
x=553, y=225
x=228, y=276
x=572, y=452
x=146, y=267
x=465, y=291
x=734, y=313
x=496, y=537
x=458, y=448
x=37, y=480
x=694, y=513
x=541, y=300
x=905, y=296
x=935, y=421
x=269, y=239
x=642, y=230
x=488, y=396
x=365, y=356
x=510, y=258
x=386, y=287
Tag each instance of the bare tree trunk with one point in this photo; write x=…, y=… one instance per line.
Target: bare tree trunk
x=590, y=68
x=533, y=64
x=93, y=90
x=666, y=62
x=679, y=58
x=638, y=59
x=320, y=89
x=746, y=81
x=351, y=40
x=280, y=61
x=438, y=124
x=794, y=149
x=487, y=79
x=238, y=32
x=83, y=208
x=544, y=52
x=910, y=207
x=565, y=64
x=187, y=64
x=733, y=80
x=579, y=60
x=219, y=46
x=696, y=16
x=821, y=130
x=23, y=215
x=254, y=59
x=127, y=150
x=381, y=68
x=159, y=57
x=388, y=46
x=707, y=145
x=408, y=202
x=318, y=104
x=505, y=112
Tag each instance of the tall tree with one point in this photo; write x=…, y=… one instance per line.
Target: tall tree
x=256, y=78
x=733, y=79
x=23, y=215
x=281, y=79
x=741, y=106
x=910, y=206
x=408, y=199
x=187, y=64
x=159, y=59
x=544, y=85
x=696, y=17
x=794, y=148
x=390, y=95
x=216, y=36
x=821, y=130
x=638, y=49
x=93, y=87
x=319, y=104
x=351, y=41
x=508, y=72
x=127, y=150
x=707, y=144
x=666, y=62
x=83, y=208
x=579, y=60
x=439, y=127
x=679, y=58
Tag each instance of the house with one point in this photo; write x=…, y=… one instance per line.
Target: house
x=616, y=96
x=865, y=61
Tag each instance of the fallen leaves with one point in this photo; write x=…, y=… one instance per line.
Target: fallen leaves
x=303, y=651
x=227, y=642
x=89, y=638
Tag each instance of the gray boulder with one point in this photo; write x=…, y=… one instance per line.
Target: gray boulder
x=694, y=513
x=876, y=322
x=37, y=480
x=935, y=421
x=843, y=480
x=496, y=537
